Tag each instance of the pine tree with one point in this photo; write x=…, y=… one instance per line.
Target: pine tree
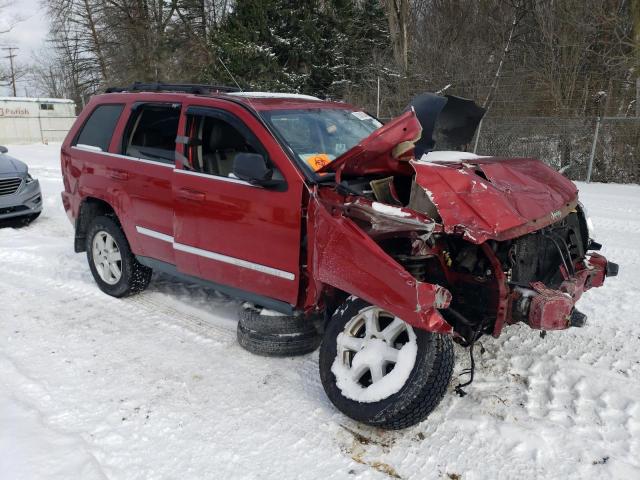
x=315, y=47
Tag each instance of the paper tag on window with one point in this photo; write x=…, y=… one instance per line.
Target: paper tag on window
x=361, y=115
x=365, y=116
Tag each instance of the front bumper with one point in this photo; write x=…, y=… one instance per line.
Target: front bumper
x=26, y=201
x=554, y=309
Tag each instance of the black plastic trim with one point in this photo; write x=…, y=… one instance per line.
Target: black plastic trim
x=195, y=88
x=170, y=269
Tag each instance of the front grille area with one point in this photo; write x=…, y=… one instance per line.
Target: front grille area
x=9, y=186
x=539, y=255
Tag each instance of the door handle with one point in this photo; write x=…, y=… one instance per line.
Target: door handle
x=118, y=174
x=189, y=194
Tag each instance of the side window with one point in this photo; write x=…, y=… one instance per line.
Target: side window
x=98, y=129
x=216, y=142
x=151, y=133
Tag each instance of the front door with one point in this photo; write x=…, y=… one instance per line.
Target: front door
x=226, y=230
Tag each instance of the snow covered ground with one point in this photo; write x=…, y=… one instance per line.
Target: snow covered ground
x=156, y=387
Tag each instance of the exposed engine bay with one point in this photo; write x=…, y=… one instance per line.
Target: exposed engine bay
x=473, y=273
x=476, y=242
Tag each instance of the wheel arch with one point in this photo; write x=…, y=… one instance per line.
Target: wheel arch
x=332, y=299
x=90, y=208
x=344, y=257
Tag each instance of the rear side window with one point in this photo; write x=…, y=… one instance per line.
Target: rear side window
x=151, y=133
x=98, y=129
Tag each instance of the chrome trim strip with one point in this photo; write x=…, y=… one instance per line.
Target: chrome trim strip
x=154, y=234
x=125, y=157
x=90, y=148
x=234, y=261
x=215, y=177
x=238, y=262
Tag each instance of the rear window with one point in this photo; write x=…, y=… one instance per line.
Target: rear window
x=98, y=129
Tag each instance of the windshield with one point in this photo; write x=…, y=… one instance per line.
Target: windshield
x=318, y=136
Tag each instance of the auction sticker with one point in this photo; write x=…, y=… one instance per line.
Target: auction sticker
x=317, y=160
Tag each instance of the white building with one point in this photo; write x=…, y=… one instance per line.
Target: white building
x=35, y=120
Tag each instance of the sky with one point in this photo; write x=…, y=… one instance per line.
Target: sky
x=28, y=35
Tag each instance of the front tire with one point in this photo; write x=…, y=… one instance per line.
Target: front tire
x=378, y=370
x=113, y=265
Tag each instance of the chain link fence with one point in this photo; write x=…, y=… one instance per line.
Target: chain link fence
x=569, y=144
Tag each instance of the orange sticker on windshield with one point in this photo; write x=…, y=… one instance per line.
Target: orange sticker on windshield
x=318, y=161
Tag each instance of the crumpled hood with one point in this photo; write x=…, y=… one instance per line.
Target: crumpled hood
x=430, y=120
x=495, y=198
x=480, y=198
x=11, y=166
x=381, y=151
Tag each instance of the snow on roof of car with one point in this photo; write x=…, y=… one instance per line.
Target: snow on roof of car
x=37, y=100
x=274, y=95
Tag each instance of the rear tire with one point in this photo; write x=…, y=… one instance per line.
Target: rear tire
x=276, y=336
x=423, y=364
x=113, y=265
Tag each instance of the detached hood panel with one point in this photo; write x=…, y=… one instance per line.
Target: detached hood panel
x=492, y=198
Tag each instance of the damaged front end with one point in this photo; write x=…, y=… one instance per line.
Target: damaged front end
x=451, y=242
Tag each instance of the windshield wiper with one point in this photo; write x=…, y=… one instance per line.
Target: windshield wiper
x=326, y=178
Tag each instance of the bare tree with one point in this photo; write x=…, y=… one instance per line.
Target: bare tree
x=398, y=15
x=7, y=23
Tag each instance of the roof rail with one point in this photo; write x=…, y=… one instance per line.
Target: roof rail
x=194, y=88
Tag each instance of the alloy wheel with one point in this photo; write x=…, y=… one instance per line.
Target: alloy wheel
x=375, y=354
x=107, y=257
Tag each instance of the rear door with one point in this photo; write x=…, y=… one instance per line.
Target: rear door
x=226, y=230
x=125, y=156
x=144, y=168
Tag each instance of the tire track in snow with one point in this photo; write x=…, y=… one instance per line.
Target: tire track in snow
x=147, y=308
x=152, y=302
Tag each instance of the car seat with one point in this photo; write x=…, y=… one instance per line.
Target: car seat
x=225, y=142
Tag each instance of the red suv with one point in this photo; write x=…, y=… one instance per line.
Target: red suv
x=310, y=209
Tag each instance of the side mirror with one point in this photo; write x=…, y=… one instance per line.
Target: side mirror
x=3, y=150
x=252, y=168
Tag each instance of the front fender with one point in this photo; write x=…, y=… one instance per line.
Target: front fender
x=343, y=256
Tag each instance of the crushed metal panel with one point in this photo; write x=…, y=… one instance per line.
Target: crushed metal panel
x=495, y=199
x=345, y=257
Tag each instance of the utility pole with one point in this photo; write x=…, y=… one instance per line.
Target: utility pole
x=638, y=97
x=11, y=56
x=378, y=99
x=593, y=149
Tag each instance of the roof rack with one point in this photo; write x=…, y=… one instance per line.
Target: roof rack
x=197, y=89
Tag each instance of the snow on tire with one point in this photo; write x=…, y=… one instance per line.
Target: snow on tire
x=377, y=369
